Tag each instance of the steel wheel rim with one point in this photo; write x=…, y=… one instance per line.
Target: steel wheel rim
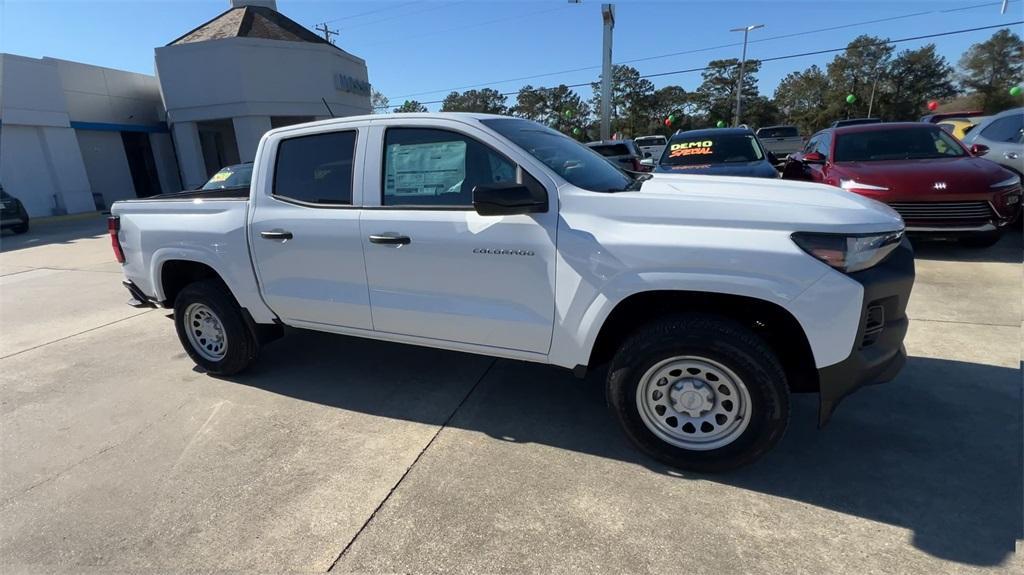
x=205, y=332
x=693, y=402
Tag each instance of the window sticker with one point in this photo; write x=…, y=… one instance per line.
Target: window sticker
x=221, y=176
x=428, y=169
x=697, y=148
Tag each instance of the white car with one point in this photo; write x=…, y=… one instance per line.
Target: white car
x=651, y=146
x=711, y=298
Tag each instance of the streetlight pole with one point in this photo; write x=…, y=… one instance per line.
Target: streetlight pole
x=608, y=16
x=743, y=62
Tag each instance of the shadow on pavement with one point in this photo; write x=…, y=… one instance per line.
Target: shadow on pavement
x=1010, y=249
x=54, y=232
x=937, y=451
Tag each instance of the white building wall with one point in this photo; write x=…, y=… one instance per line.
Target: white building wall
x=106, y=165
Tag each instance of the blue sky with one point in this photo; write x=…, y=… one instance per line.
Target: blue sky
x=416, y=47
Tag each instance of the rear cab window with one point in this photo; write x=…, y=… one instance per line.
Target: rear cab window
x=316, y=170
x=645, y=142
x=780, y=132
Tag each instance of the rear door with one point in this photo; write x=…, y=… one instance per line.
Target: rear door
x=436, y=268
x=304, y=228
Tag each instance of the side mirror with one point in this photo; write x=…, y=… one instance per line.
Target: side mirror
x=813, y=158
x=508, y=199
x=979, y=150
x=647, y=162
x=772, y=159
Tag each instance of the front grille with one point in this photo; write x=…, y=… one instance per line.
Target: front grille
x=943, y=211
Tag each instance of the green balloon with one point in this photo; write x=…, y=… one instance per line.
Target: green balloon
x=850, y=98
x=568, y=114
x=576, y=131
x=1015, y=91
x=671, y=117
x=720, y=124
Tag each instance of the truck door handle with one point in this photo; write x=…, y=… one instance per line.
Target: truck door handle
x=1011, y=155
x=276, y=235
x=390, y=239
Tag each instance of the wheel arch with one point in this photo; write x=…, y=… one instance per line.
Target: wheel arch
x=776, y=325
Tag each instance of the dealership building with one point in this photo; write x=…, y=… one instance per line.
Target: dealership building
x=76, y=137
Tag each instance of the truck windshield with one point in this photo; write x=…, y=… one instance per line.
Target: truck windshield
x=689, y=150
x=655, y=141
x=578, y=164
x=896, y=144
x=237, y=176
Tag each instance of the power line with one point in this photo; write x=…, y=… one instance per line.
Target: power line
x=787, y=56
x=708, y=48
x=427, y=7
x=368, y=12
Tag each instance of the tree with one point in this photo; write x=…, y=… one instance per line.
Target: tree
x=378, y=102
x=410, y=106
x=865, y=60
x=914, y=77
x=485, y=101
x=531, y=103
x=671, y=100
x=801, y=99
x=991, y=67
x=717, y=92
x=631, y=102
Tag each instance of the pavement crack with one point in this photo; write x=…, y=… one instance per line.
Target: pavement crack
x=62, y=472
x=411, y=465
x=964, y=322
x=59, y=339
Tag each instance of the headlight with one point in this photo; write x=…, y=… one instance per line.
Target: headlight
x=849, y=253
x=1008, y=182
x=851, y=185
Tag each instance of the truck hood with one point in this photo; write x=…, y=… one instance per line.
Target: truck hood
x=751, y=203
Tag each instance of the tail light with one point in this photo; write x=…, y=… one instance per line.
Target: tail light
x=114, y=226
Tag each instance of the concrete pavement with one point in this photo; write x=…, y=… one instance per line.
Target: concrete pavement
x=348, y=455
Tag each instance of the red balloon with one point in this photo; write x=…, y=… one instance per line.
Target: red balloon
x=933, y=105
x=668, y=122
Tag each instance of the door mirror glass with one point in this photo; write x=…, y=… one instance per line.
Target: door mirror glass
x=508, y=199
x=979, y=150
x=647, y=162
x=813, y=158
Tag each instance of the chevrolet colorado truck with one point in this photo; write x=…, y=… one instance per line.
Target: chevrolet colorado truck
x=710, y=299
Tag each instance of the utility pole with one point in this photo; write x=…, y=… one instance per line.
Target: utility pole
x=327, y=32
x=743, y=62
x=608, y=16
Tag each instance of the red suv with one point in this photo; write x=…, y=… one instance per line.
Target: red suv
x=922, y=172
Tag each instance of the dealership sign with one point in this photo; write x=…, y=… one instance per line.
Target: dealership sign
x=351, y=85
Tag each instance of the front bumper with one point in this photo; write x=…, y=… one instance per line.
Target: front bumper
x=878, y=353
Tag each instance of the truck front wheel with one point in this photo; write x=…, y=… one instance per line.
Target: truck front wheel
x=212, y=329
x=699, y=392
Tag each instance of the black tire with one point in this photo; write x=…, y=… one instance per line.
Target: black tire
x=242, y=348
x=725, y=342
x=981, y=240
x=20, y=228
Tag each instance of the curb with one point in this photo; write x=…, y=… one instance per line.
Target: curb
x=67, y=218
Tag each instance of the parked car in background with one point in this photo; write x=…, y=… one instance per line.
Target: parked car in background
x=959, y=127
x=925, y=174
x=14, y=217
x=1000, y=138
x=622, y=153
x=709, y=298
x=780, y=140
x=855, y=122
x=942, y=116
x=717, y=151
x=651, y=146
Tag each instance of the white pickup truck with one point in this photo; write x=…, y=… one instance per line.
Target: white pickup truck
x=710, y=299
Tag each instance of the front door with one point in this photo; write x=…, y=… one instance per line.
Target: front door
x=439, y=270
x=305, y=238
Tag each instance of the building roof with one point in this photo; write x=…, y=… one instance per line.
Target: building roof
x=250, y=22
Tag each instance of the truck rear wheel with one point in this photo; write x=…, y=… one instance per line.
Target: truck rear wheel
x=699, y=392
x=212, y=329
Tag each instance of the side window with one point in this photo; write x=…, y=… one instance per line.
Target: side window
x=429, y=167
x=1006, y=129
x=316, y=169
